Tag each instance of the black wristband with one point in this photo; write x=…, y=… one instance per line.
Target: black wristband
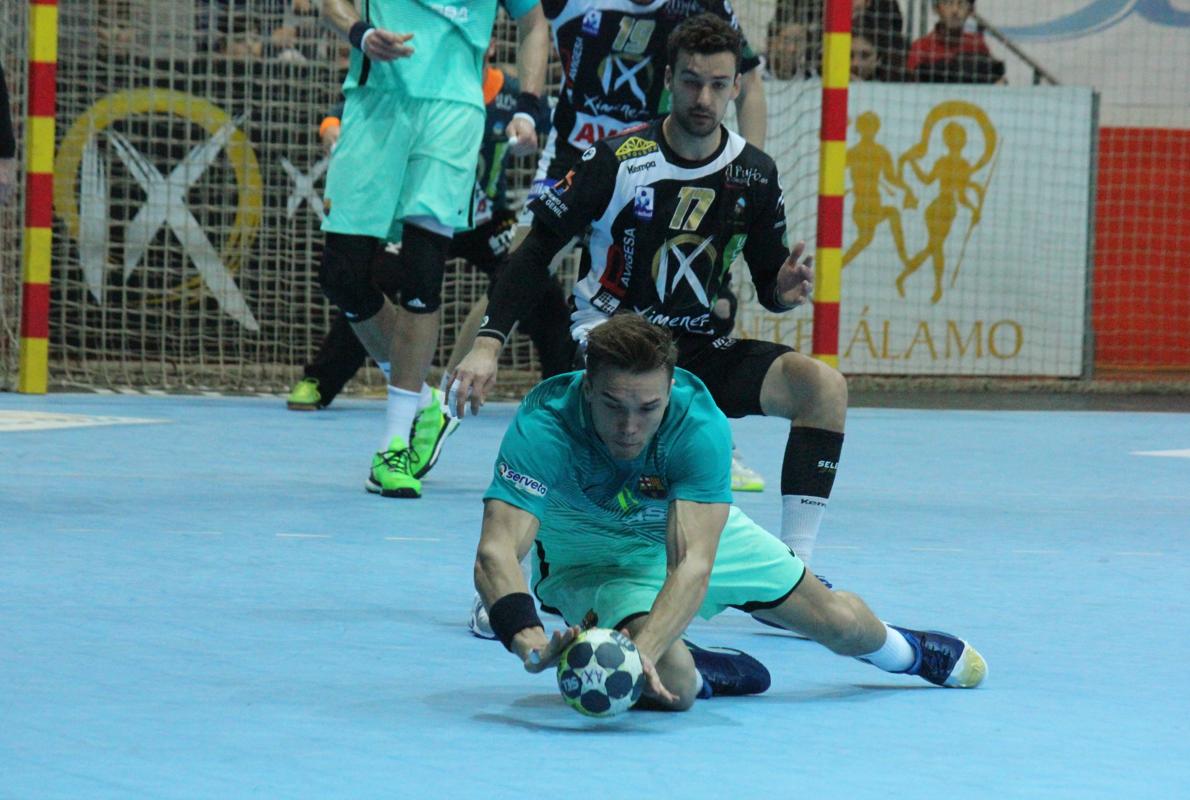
x=356, y=34
x=510, y=615
x=536, y=107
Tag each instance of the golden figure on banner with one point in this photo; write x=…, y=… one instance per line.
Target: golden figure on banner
x=867, y=163
x=954, y=176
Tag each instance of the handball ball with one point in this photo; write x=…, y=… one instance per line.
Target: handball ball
x=600, y=674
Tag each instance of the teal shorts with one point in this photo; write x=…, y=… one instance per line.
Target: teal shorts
x=753, y=570
x=400, y=157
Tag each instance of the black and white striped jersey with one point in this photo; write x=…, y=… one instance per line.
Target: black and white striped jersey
x=613, y=63
x=665, y=231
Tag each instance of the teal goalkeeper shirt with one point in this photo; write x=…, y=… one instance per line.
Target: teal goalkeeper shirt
x=594, y=509
x=449, y=42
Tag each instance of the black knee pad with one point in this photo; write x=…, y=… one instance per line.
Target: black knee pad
x=388, y=273
x=346, y=275
x=424, y=256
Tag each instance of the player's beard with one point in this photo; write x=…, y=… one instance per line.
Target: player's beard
x=697, y=121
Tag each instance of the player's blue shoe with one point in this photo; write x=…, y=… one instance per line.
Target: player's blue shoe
x=945, y=660
x=728, y=672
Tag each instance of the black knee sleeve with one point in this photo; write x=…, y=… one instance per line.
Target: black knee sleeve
x=346, y=275
x=424, y=256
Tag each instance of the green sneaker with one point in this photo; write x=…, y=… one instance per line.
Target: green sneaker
x=393, y=471
x=430, y=428
x=305, y=396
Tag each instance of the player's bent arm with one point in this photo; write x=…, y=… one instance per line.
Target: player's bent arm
x=507, y=534
x=340, y=15
x=512, y=296
x=533, y=50
x=692, y=538
x=751, y=108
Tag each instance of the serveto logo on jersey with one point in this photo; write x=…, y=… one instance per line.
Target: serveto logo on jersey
x=591, y=22
x=642, y=206
x=525, y=483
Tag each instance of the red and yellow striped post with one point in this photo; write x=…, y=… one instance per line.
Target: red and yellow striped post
x=39, y=197
x=832, y=165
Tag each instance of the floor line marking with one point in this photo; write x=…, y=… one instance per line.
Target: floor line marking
x=197, y=533
x=1137, y=553
x=304, y=535
x=938, y=549
x=1037, y=552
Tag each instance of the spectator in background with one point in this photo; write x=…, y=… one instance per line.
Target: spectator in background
x=8, y=146
x=881, y=26
x=791, y=52
x=870, y=61
x=951, y=53
x=795, y=39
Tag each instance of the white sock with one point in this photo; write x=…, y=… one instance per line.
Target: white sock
x=801, y=515
x=425, y=397
x=402, y=408
x=895, y=655
x=387, y=369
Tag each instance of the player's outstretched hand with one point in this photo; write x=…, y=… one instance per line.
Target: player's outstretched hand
x=522, y=136
x=474, y=377
x=539, y=659
x=385, y=45
x=653, y=685
x=795, y=281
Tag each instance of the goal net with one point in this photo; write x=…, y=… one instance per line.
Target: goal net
x=1028, y=230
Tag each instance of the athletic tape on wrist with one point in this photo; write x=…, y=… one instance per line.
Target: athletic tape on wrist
x=532, y=107
x=512, y=614
x=358, y=32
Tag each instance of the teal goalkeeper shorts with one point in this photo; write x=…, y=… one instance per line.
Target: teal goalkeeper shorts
x=400, y=157
x=753, y=570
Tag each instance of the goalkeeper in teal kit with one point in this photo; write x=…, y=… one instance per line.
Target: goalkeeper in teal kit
x=618, y=480
x=413, y=120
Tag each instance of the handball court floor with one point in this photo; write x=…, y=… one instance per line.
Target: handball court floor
x=198, y=600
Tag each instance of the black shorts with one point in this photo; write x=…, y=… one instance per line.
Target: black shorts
x=486, y=246
x=732, y=369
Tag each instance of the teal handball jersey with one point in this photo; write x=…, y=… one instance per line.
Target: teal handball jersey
x=592, y=508
x=449, y=42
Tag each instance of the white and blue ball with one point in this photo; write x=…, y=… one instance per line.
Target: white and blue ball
x=600, y=674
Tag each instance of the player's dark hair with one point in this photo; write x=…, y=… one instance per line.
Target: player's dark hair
x=628, y=342
x=705, y=34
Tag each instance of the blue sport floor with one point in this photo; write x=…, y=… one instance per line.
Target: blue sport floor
x=198, y=600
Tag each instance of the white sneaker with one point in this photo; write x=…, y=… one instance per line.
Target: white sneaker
x=743, y=477
x=480, y=625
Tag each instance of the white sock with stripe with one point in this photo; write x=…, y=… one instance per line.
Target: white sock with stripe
x=402, y=408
